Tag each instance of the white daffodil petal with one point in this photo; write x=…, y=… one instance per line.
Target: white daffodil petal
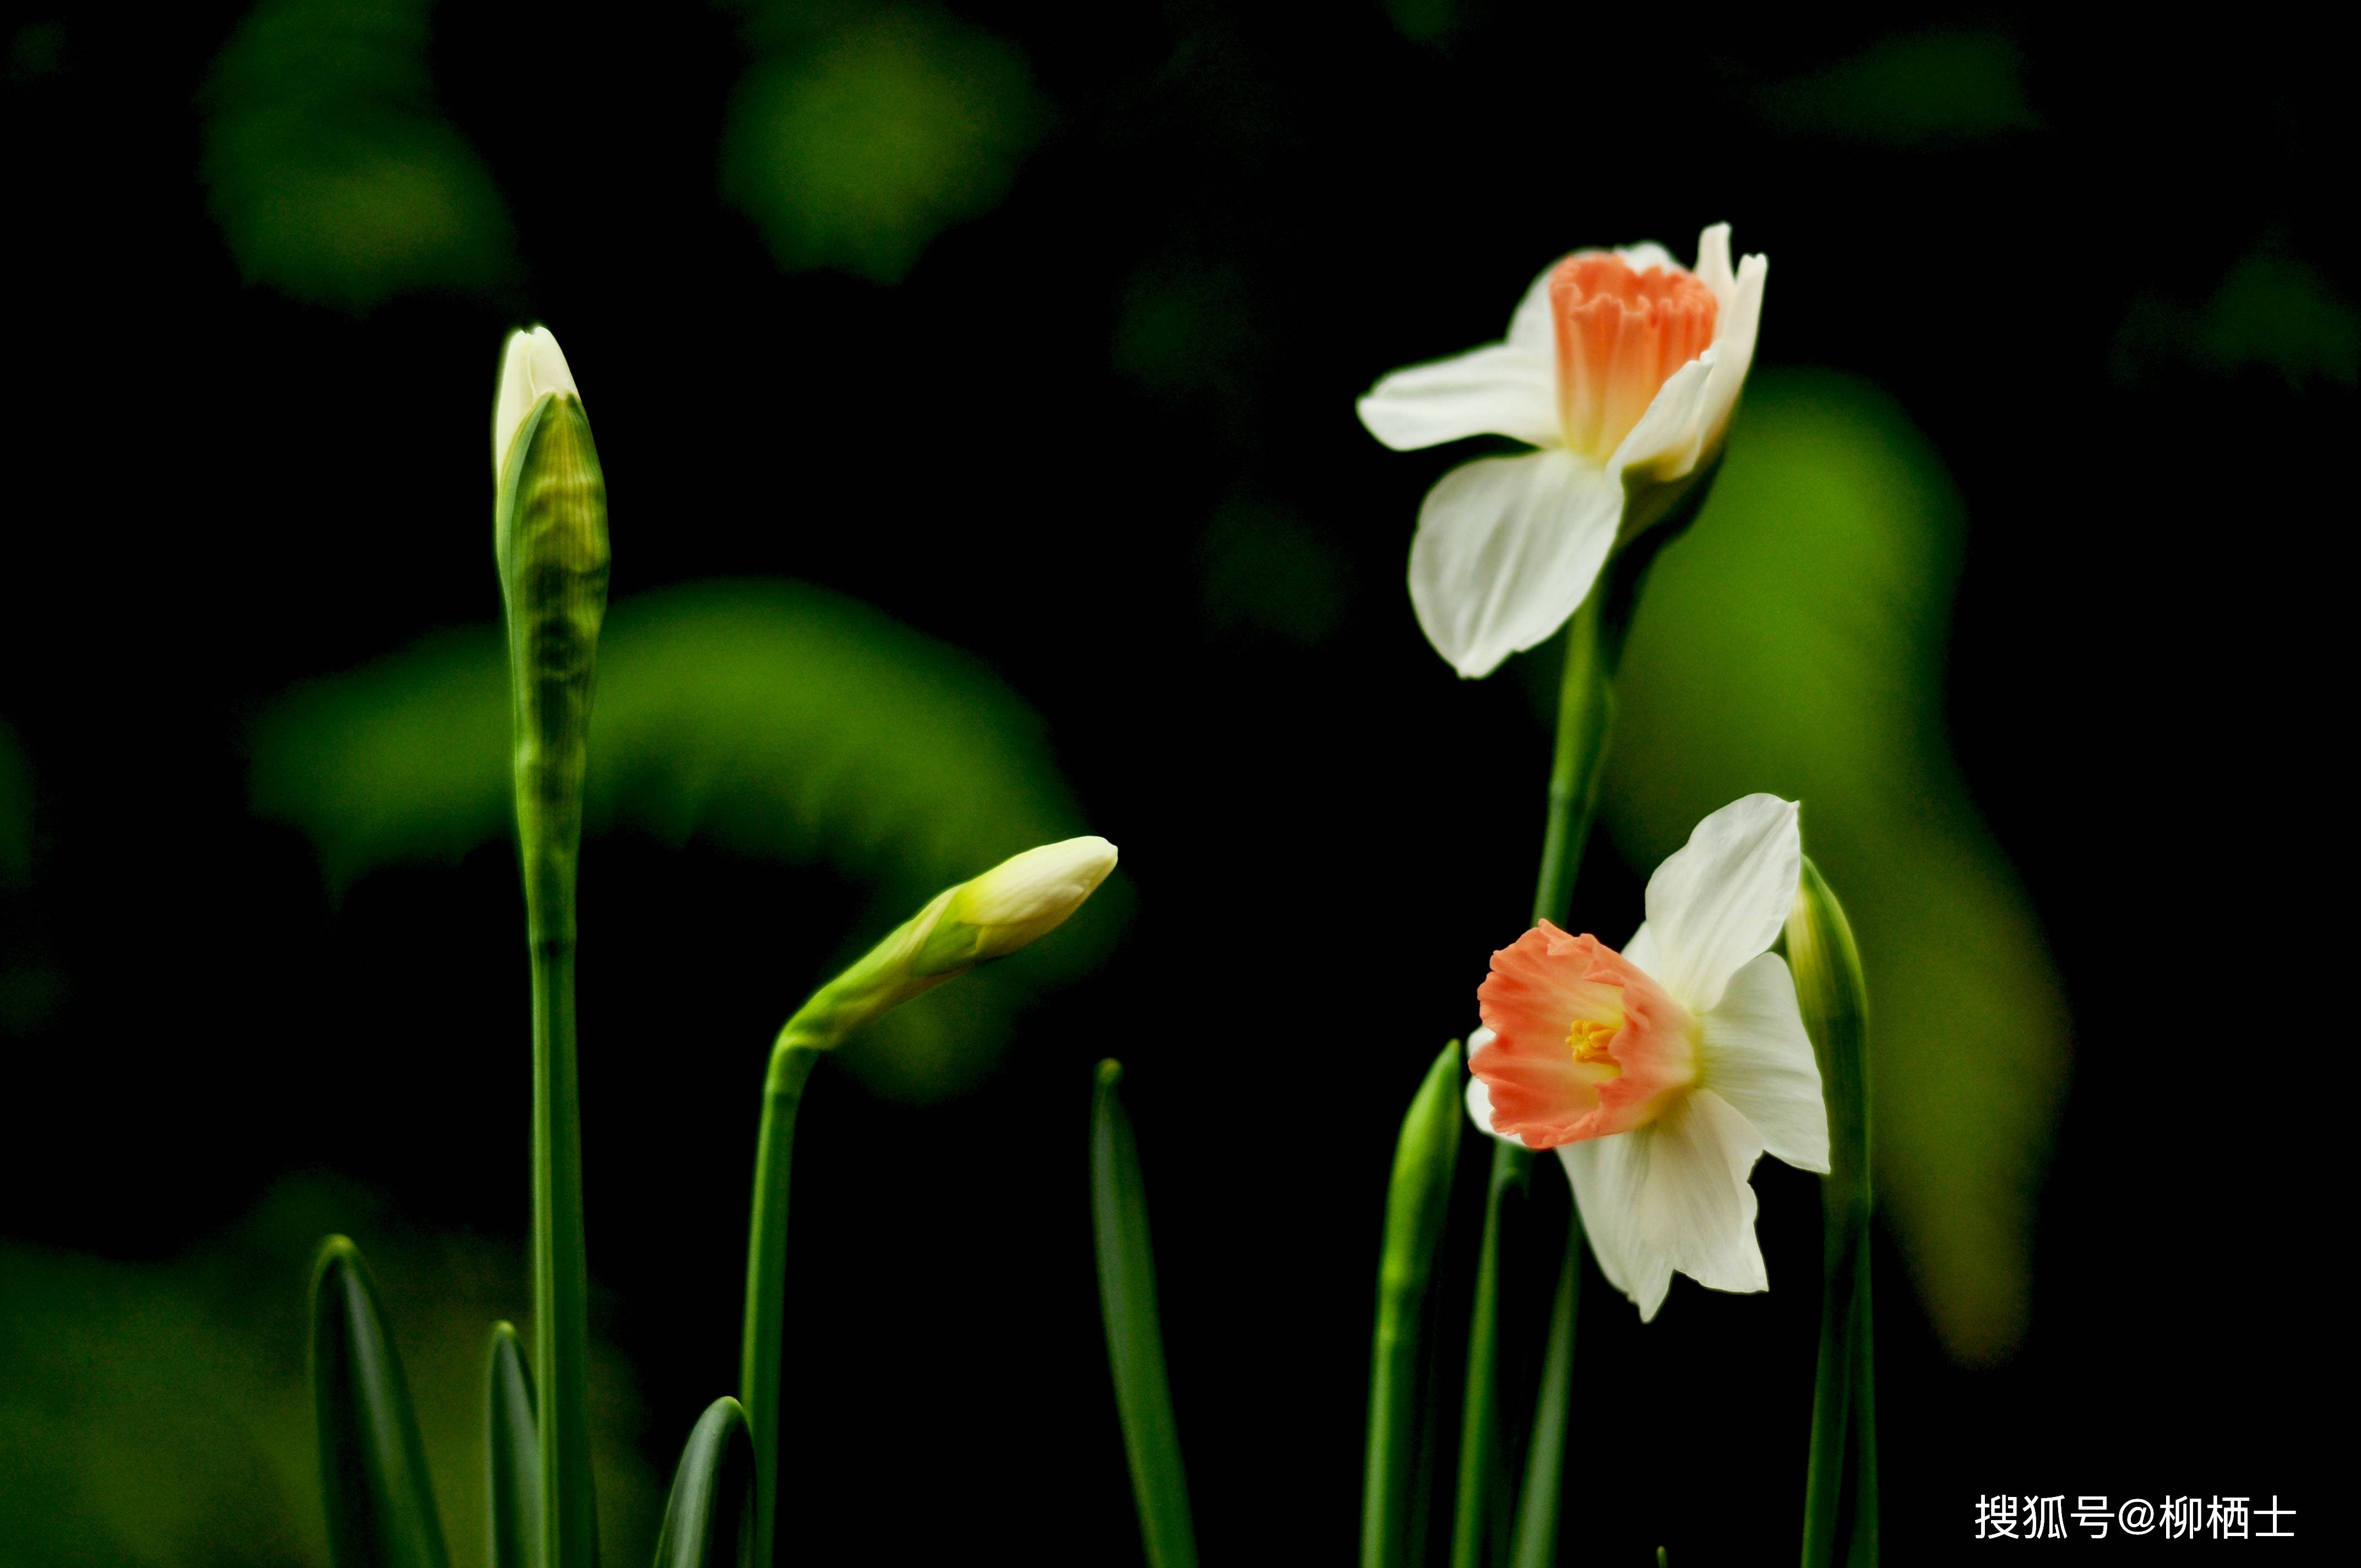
x=1605, y=1173
x=1713, y=264
x=1732, y=354
x=1640, y=950
x=1639, y=257
x=1694, y=1206
x=1667, y=439
x=1534, y=326
x=1756, y=1055
x=1507, y=548
x=1499, y=390
x=1724, y=896
x=1479, y=1106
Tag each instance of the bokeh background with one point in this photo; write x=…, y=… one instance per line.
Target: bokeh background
x=974, y=384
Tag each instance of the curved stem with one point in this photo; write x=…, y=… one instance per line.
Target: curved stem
x=792, y=1060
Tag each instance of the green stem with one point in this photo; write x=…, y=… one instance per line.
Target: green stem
x=1841, y=1487
x=560, y=1277
x=792, y=1060
x=1586, y=715
x=1536, y=1541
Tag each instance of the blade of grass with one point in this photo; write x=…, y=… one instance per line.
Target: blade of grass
x=1143, y=1392
x=511, y=1455
x=373, y=1479
x=1417, y=1204
x=709, y=1517
x=1536, y=1539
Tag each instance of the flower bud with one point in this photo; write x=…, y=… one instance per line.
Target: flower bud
x=1017, y=903
x=549, y=528
x=989, y=916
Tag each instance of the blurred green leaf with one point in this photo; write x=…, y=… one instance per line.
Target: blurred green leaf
x=1793, y=641
x=511, y=1455
x=373, y=1479
x=865, y=134
x=2273, y=309
x=330, y=173
x=1134, y=1335
x=156, y=1414
x=1923, y=89
x=774, y=718
x=709, y=1519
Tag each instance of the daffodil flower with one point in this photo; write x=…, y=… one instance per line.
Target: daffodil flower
x=1622, y=368
x=1661, y=1073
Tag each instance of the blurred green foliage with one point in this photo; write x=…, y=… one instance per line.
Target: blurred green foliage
x=1268, y=573
x=2273, y=310
x=865, y=132
x=156, y=1414
x=773, y=718
x=331, y=174
x=1794, y=640
x=1918, y=90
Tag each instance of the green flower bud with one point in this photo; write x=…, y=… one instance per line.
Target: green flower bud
x=1017, y=903
x=550, y=534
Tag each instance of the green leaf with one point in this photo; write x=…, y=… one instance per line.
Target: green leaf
x=1143, y=1393
x=709, y=1519
x=1538, y=1506
x=768, y=718
x=1417, y=1203
x=380, y=1505
x=1793, y=640
x=512, y=1455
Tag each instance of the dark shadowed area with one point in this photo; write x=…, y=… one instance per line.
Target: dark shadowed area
x=974, y=386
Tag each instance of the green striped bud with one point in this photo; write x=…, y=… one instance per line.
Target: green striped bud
x=1017, y=903
x=550, y=534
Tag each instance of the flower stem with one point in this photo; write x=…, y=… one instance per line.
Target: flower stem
x=1840, y=1492
x=560, y=1275
x=1585, y=714
x=792, y=1060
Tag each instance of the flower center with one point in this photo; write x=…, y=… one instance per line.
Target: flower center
x=1620, y=335
x=1588, y=1040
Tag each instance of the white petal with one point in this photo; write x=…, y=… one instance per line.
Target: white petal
x=1639, y=257
x=1507, y=548
x=1733, y=355
x=1668, y=438
x=1694, y=1206
x=1723, y=897
x=1605, y=1176
x=1498, y=390
x=1534, y=326
x=1757, y=1057
x=1713, y=264
x=532, y=365
x=1642, y=949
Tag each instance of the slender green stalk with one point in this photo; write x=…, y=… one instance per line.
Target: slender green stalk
x=759, y=1365
x=1416, y=1200
x=1840, y=1492
x=511, y=1455
x=1586, y=715
x=1536, y=1541
x=550, y=530
x=1143, y=1392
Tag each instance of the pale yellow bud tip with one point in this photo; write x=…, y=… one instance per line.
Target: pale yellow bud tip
x=1028, y=896
x=531, y=366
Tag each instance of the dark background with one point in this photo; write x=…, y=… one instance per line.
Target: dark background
x=218, y=488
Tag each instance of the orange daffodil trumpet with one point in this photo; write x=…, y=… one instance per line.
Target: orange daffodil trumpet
x=1622, y=369
x=1661, y=1073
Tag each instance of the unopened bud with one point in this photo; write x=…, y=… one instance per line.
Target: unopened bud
x=986, y=917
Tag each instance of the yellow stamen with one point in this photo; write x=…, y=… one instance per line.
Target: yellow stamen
x=1588, y=1040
